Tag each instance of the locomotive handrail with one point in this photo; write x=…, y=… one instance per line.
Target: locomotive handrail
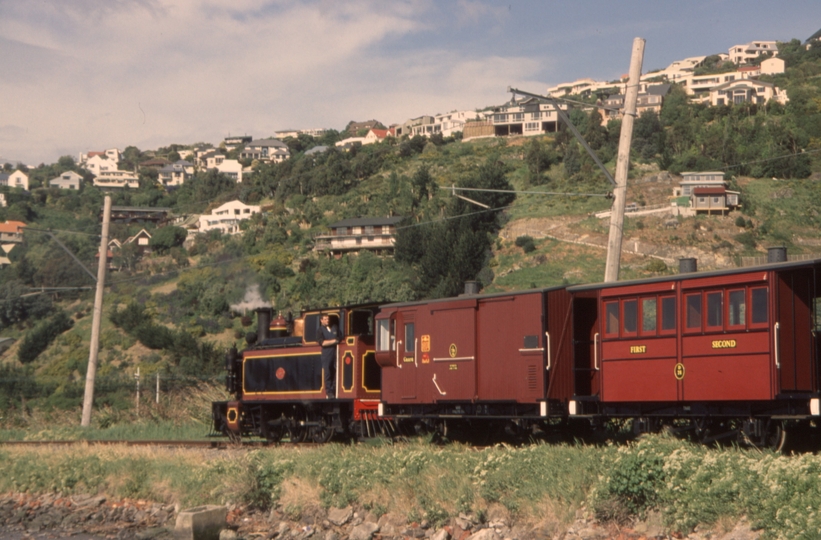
x=415, y=343
x=596, y=351
x=547, y=335
x=437, y=386
x=776, y=331
x=454, y=359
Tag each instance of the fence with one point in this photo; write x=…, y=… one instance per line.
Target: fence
x=756, y=261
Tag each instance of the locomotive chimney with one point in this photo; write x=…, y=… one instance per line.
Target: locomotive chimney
x=471, y=287
x=263, y=322
x=777, y=254
x=687, y=265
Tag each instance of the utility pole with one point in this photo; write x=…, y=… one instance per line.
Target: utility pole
x=611, y=272
x=91, y=373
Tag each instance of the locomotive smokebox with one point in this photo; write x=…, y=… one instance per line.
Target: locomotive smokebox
x=263, y=322
x=687, y=265
x=777, y=254
x=471, y=287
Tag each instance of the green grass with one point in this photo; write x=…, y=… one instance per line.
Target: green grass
x=145, y=430
x=688, y=485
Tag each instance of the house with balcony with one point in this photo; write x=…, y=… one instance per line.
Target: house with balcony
x=650, y=99
x=68, y=180
x=139, y=214
x=232, y=143
x=371, y=233
x=112, y=153
x=226, y=218
x=746, y=91
x=176, y=174
x=231, y=168
x=742, y=54
x=116, y=179
x=692, y=180
x=266, y=151
x=713, y=200
x=525, y=117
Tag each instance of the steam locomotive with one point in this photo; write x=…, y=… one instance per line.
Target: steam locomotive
x=721, y=355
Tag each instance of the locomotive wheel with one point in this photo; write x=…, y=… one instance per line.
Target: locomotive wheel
x=273, y=434
x=297, y=433
x=323, y=432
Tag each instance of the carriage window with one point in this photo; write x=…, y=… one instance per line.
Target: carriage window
x=612, y=317
x=649, y=315
x=714, y=317
x=409, y=338
x=759, y=305
x=737, y=308
x=383, y=334
x=631, y=309
x=694, y=311
x=668, y=313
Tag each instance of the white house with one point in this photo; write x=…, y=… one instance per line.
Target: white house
x=746, y=91
x=525, y=117
x=117, y=179
x=226, y=218
x=176, y=173
x=266, y=150
x=230, y=168
x=67, y=180
x=99, y=163
x=740, y=54
x=772, y=66
x=112, y=153
x=349, y=142
x=17, y=179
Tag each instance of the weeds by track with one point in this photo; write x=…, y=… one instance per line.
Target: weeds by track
x=221, y=444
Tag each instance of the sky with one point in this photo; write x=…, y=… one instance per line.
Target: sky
x=81, y=75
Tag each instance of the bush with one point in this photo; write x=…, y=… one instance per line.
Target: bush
x=526, y=243
x=740, y=222
x=38, y=339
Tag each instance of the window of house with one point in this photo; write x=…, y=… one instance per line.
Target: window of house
x=714, y=310
x=693, y=303
x=758, y=299
x=611, y=310
x=631, y=315
x=736, y=308
x=518, y=117
x=649, y=315
x=236, y=211
x=368, y=229
x=341, y=231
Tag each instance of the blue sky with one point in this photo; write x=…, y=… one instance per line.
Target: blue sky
x=83, y=75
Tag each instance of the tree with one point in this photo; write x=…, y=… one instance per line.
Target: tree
x=168, y=237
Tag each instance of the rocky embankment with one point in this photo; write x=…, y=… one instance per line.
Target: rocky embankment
x=56, y=516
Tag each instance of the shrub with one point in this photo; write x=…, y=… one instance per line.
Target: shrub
x=740, y=222
x=746, y=239
x=38, y=339
x=526, y=243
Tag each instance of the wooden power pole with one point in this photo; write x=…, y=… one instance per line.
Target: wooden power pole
x=611, y=272
x=91, y=373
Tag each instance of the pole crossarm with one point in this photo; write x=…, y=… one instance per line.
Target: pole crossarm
x=570, y=126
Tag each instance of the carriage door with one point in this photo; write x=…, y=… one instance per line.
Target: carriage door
x=794, y=331
x=406, y=353
x=586, y=344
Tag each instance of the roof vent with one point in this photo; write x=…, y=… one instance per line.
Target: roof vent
x=687, y=265
x=777, y=254
x=471, y=287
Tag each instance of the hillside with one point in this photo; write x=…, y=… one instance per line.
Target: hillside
x=171, y=313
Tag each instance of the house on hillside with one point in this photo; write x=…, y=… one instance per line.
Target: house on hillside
x=355, y=127
x=375, y=234
x=741, y=54
x=649, y=100
x=139, y=214
x=12, y=232
x=116, y=179
x=746, y=91
x=266, y=150
x=67, y=180
x=232, y=143
x=17, y=179
x=226, y=218
x=691, y=180
x=142, y=240
x=3, y=203
x=112, y=153
x=772, y=66
x=527, y=116
x=713, y=200
x=176, y=174
x=231, y=168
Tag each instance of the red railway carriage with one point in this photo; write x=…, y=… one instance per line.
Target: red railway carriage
x=477, y=356
x=279, y=384
x=736, y=343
